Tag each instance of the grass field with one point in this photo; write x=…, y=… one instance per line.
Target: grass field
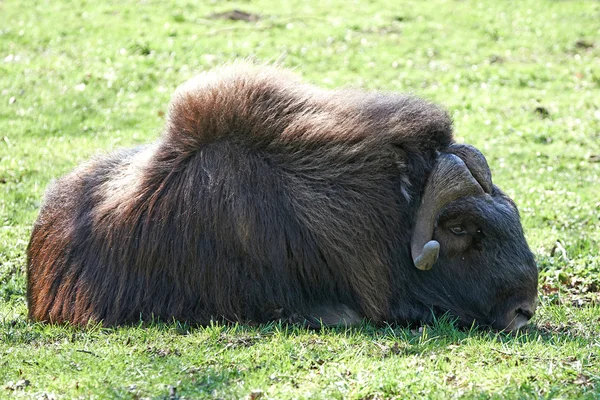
x=521, y=80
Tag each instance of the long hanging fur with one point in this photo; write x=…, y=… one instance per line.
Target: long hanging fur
x=265, y=198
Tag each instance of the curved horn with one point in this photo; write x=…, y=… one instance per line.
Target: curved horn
x=476, y=163
x=449, y=180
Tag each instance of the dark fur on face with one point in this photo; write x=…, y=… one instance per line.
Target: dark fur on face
x=269, y=199
x=487, y=271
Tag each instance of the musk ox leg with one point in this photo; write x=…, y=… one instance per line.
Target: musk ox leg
x=330, y=315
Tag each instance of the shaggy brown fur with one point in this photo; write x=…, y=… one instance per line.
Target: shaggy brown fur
x=264, y=199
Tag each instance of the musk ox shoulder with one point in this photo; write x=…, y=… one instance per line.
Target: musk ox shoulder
x=267, y=198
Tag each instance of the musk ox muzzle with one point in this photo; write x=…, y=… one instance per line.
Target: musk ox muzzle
x=269, y=199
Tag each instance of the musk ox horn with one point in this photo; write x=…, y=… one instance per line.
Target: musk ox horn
x=451, y=179
x=476, y=163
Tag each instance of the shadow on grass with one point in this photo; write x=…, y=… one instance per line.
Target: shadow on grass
x=216, y=360
x=17, y=329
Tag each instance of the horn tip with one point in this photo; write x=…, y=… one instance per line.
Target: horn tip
x=429, y=256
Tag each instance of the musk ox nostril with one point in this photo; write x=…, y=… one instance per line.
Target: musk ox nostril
x=526, y=312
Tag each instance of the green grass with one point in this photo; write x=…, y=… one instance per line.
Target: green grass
x=521, y=80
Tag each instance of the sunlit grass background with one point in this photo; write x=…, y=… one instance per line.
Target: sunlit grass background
x=521, y=80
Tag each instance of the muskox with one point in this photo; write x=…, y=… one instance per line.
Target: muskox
x=268, y=199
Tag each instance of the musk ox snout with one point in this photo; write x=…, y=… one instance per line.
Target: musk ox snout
x=516, y=317
x=269, y=199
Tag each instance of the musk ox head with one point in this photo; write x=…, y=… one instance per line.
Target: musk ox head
x=469, y=246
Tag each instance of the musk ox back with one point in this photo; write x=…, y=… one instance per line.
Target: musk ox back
x=270, y=199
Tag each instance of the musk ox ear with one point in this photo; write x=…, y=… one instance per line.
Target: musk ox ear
x=462, y=171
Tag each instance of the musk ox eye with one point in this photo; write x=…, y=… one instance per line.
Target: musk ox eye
x=458, y=230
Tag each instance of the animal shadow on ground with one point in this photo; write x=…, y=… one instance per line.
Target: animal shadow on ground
x=241, y=352
x=313, y=349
